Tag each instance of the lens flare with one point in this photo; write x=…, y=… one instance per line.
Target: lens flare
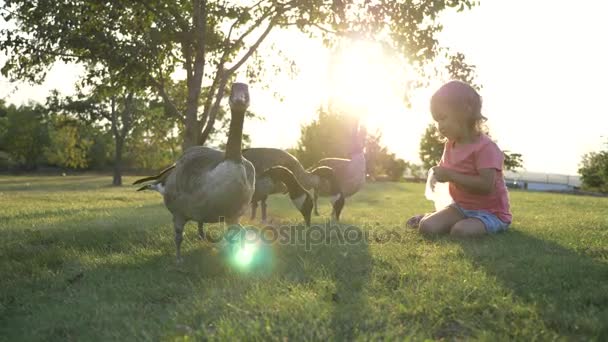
x=244, y=255
x=245, y=251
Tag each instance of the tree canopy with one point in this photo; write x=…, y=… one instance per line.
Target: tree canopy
x=594, y=170
x=332, y=135
x=146, y=42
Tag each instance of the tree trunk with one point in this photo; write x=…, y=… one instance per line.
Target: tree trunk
x=117, y=179
x=191, y=125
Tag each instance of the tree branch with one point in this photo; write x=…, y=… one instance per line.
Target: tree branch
x=47, y=52
x=252, y=48
x=173, y=111
x=200, y=17
x=127, y=115
x=213, y=112
x=211, y=91
x=183, y=25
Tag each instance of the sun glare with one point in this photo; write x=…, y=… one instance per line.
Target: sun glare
x=366, y=82
x=359, y=73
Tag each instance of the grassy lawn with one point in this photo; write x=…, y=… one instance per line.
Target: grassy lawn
x=80, y=260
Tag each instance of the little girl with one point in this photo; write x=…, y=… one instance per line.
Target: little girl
x=471, y=163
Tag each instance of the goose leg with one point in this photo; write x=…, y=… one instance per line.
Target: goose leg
x=315, y=200
x=178, y=225
x=264, y=212
x=254, y=209
x=334, y=217
x=201, y=230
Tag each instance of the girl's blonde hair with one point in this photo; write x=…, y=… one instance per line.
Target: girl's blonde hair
x=464, y=101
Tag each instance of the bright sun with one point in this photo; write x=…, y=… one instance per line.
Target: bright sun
x=366, y=82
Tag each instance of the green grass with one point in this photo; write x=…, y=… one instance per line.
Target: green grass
x=80, y=260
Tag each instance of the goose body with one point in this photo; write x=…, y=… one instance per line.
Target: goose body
x=349, y=172
x=204, y=187
x=300, y=197
x=265, y=158
x=208, y=185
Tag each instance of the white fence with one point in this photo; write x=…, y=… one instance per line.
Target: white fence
x=543, y=181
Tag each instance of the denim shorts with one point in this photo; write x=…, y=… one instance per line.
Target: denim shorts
x=492, y=223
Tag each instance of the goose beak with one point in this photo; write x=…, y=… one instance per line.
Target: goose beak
x=239, y=96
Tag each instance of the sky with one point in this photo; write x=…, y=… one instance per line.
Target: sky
x=542, y=65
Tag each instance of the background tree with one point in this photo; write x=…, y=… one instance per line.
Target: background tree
x=25, y=132
x=431, y=147
x=395, y=168
x=513, y=161
x=154, y=143
x=69, y=143
x=594, y=171
x=109, y=101
x=332, y=134
x=208, y=41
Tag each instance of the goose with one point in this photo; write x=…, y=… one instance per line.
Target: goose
x=158, y=181
x=264, y=158
x=350, y=173
x=266, y=184
x=207, y=185
x=274, y=180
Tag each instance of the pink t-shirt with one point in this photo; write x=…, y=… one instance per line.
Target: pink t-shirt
x=468, y=159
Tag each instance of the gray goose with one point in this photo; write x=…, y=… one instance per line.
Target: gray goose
x=207, y=185
x=265, y=158
x=274, y=180
x=350, y=173
x=268, y=181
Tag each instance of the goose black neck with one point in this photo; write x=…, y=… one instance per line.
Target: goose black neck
x=328, y=174
x=293, y=187
x=235, y=135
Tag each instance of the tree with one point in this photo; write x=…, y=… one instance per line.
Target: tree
x=210, y=41
x=329, y=136
x=154, y=143
x=69, y=144
x=395, y=167
x=431, y=147
x=24, y=134
x=594, y=171
x=332, y=135
x=108, y=101
x=432, y=144
x=513, y=161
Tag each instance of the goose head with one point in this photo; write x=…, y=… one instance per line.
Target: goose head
x=239, y=98
x=239, y=102
x=300, y=198
x=337, y=197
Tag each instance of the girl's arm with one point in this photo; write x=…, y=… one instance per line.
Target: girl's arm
x=481, y=185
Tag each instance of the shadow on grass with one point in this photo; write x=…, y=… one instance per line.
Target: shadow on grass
x=569, y=288
x=54, y=183
x=341, y=254
x=114, y=276
x=111, y=278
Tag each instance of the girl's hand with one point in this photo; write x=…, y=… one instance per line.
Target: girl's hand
x=442, y=174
